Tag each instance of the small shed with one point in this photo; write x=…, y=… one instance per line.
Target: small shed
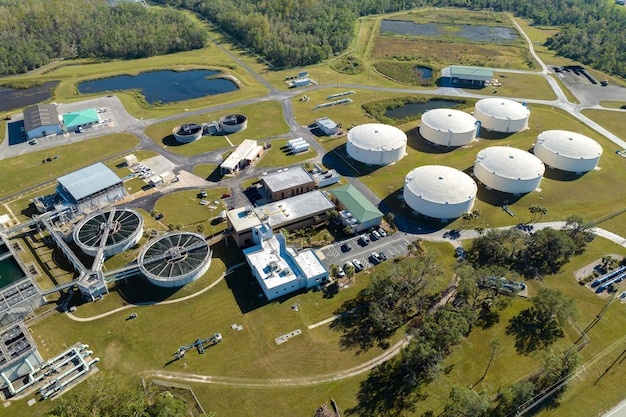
x=130, y=160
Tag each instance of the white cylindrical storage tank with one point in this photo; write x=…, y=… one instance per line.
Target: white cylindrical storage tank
x=122, y=229
x=175, y=259
x=187, y=132
x=510, y=170
x=376, y=144
x=567, y=151
x=232, y=123
x=502, y=115
x=448, y=127
x=439, y=191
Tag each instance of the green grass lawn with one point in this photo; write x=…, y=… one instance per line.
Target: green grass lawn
x=279, y=155
x=24, y=171
x=612, y=104
x=183, y=208
x=264, y=120
x=206, y=170
x=524, y=86
x=612, y=121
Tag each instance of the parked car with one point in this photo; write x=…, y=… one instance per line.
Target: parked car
x=375, y=258
x=225, y=195
x=203, y=194
x=346, y=247
x=348, y=265
x=375, y=235
x=340, y=272
x=364, y=239
x=358, y=266
x=382, y=232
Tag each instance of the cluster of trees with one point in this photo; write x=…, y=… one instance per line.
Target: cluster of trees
x=395, y=296
x=104, y=395
x=290, y=33
x=287, y=33
x=542, y=252
x=402, y=294
x=34, y=32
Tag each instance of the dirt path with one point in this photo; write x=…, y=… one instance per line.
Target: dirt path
x=297, y=381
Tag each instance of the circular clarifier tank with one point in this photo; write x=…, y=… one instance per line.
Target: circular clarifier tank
x=114, y=230
x=175, y=259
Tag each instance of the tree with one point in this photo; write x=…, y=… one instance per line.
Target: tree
x=557, y=364
x=541, y=324
x=475, y=215
x=105, y=395
x=201, y=228
x=465, y=402
x=549, y=250
x=494, y=347
x=579, y=231
x=389, y=218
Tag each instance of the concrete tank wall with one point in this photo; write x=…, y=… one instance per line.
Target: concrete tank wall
x=442, y=211
x=501, y=115
x=117, y=248
x=188, y=132
x=445, y=137
x=232, y=123
x=375, y=157
x=507, y=185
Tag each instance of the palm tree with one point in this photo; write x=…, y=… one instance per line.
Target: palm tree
x=475, y=215
x=542, y=211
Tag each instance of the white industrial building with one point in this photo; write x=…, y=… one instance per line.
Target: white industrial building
x=327, y=126
x=291, y=213
x=243, y=155
x=280, y=269
x=448, y=127
x=376, y=144
x=91, y=187
x=510, y=170
x=567, y=151
x=502, y=115
x=439, y=191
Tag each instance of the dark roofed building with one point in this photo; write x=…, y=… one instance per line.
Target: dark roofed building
x=286, y=182
x=41, y=120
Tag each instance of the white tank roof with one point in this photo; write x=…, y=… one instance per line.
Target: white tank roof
x=502, y=108
x=440, y=184
x=569, y=144
x=449, y=120
x=511, y=163
x=377, y=136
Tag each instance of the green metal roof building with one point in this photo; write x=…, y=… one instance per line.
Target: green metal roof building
x=356, y=210
x=470, y=75
x=81, y=118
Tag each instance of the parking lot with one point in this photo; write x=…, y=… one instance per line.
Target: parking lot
x=393, y=246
